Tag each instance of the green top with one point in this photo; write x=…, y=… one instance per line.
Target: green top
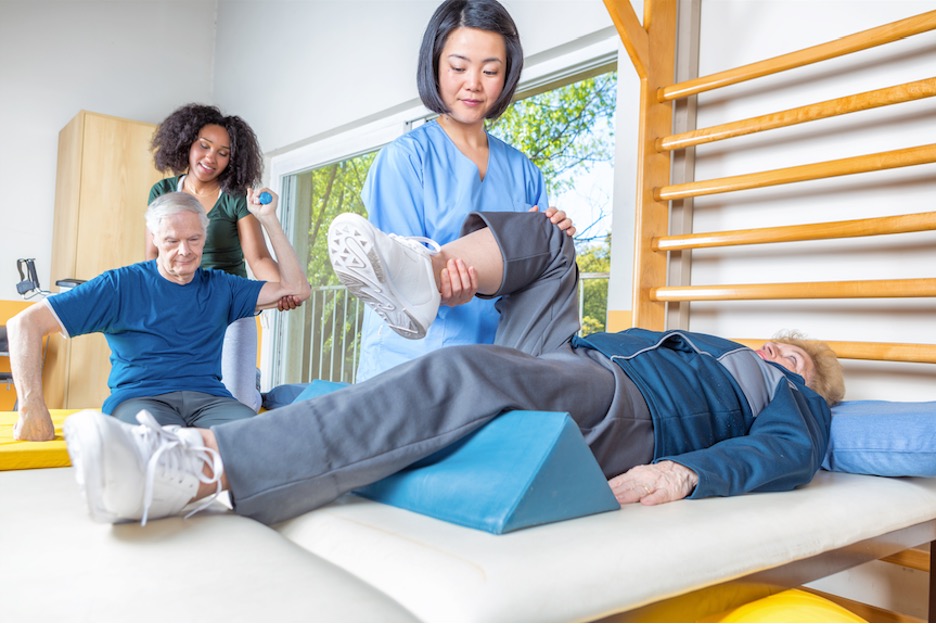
x=222, y=245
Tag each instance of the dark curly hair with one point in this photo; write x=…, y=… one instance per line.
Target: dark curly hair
x=174, y=137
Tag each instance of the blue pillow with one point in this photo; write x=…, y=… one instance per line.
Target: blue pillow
x=285, y=394
x=282, y=395
x=885, y=438
x=317, y=388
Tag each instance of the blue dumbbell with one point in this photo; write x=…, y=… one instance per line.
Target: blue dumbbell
x=265, y=198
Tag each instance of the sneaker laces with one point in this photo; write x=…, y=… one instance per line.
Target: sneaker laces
x=419, y=243
x=176, y=455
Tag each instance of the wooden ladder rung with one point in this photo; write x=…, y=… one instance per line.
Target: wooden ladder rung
x=913, y=558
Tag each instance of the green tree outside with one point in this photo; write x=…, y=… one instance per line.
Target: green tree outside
x=564, y=130
x=335, y=189
x=595, y=258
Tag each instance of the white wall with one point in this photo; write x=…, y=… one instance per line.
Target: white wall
x=768, y=28
x=137, y=60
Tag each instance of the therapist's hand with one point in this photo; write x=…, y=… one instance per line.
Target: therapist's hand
x=558, y=218
x=652, y=484
x=458, y=283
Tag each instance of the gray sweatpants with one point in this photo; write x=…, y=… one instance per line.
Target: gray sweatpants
x=285, y=462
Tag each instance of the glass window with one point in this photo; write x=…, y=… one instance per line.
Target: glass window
x=566, y=129
x=320, y=340
x=568, y=132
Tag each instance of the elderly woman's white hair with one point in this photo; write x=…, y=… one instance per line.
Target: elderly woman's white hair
x=171, y=204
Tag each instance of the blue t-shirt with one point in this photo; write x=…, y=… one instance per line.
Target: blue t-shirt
x=422, y=185
x=164, y=337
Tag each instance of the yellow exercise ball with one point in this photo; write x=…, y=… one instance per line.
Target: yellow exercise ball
x=792, y=605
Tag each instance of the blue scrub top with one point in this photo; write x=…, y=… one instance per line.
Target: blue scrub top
x=422, y=185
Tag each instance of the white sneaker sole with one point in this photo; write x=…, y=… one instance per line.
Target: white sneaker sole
x=359, y=267
x=85, y=448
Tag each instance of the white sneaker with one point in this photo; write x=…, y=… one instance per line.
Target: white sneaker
x=141, y=472
x=392, y=274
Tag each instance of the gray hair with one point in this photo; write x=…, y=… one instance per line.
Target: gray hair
x=171, y=204
x=827, y=379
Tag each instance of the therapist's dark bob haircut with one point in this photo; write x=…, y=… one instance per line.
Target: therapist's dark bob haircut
x=487, y=15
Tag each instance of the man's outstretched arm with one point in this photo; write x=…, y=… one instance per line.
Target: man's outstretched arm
x=293, y=281
x=25, y=332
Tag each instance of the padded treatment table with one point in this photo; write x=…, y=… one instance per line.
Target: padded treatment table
x=57, y=565
x=360, y=560
x=596, y=566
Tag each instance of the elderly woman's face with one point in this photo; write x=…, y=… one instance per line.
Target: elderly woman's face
x=789, y=357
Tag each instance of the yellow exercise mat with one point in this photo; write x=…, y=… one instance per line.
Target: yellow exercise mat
x=19, y=455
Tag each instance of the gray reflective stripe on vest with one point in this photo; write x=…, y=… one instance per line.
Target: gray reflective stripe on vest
x=758, y=379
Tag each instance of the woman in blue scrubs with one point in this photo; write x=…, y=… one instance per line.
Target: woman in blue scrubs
x=426, y=182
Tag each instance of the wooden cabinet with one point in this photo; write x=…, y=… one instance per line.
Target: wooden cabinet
x=105, y=171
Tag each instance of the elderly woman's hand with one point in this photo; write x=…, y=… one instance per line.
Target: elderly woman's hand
x=652, y=484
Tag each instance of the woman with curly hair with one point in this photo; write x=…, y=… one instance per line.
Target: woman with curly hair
x=217, y=159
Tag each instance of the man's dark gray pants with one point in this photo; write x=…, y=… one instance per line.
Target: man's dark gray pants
x=185, y=409
x=285, y=462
